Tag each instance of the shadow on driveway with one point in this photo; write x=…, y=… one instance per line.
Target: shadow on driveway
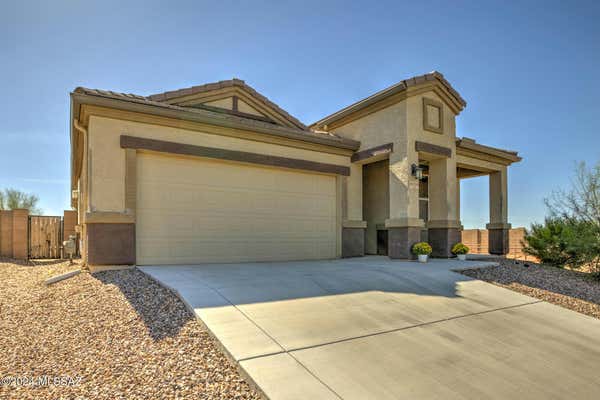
x=161, y=311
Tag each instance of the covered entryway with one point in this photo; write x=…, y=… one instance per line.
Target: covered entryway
x=194, y=210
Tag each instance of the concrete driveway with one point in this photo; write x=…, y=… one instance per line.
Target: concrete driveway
x=372, y=328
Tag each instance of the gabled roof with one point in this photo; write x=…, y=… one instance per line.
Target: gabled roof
x=207, y=114
x=173, y=95
x=458, y=103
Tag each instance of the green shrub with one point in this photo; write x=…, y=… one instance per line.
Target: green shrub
x=460, y=248
x=564, y=242
x=422, y=248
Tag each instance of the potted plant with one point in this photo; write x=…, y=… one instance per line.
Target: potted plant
x=460, y=250
x=422, y=250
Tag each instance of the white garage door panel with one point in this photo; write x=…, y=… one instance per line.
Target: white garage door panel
x=195, y=211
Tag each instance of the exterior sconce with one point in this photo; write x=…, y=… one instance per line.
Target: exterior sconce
x=416, y=171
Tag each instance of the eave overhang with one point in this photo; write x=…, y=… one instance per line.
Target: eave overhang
x=143, y=106
x=470, y=148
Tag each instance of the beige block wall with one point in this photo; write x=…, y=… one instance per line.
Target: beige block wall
x=13, y=233
x=108, y=159
x=477, y=240
x=69, y=222
x=6, y=229
x=19, y=234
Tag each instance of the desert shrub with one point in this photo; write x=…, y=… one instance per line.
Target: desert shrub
x=560, y=242
x=422, y=248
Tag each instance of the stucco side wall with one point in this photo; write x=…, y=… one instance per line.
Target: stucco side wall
x=108, y=159
x=384, y=126
x=443, y=190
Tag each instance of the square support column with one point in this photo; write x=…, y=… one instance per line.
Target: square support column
x=443, y=226
x=498, y=227
x=404, y=226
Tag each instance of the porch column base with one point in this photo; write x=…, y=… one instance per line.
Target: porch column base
x=498, y=243
x=353, y=238
x=402, y=235
x=111, y=243
x=442, y=236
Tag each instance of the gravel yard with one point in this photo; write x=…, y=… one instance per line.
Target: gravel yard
x=570, y=289
x=120, y=332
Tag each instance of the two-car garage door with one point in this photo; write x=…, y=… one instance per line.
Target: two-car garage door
x=192, y=210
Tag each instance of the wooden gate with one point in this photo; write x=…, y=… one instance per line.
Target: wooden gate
x=45, y=236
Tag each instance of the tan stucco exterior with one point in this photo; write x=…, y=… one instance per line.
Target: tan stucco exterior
x=253, y=144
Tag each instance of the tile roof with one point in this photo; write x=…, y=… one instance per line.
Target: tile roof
x=207, y=111
x=398, y=87
x=165, y=96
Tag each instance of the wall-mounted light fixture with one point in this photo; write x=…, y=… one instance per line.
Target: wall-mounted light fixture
x=416, y=171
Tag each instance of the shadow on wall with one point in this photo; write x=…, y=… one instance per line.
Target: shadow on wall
x=161, y=311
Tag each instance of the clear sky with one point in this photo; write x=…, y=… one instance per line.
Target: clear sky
x=529, y=72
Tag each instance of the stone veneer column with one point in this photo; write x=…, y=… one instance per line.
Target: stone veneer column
x=110, y=243
x=353, y=238
x=498, y=227
x=443, y=225
x=402, y=235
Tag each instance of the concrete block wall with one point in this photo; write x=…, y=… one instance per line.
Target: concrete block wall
x=477, y=240
x=6, y=249
x=69, y=222
x=13, y=233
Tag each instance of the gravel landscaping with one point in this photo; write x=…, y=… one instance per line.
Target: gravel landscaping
x=112, y=335
x=574, y=290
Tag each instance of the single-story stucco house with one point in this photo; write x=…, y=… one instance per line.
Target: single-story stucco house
x=218, y=173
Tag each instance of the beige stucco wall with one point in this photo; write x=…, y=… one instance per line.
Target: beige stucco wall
x=384, y=126
x=226, y=103
x=402, y=125
x=108, y=159
x=247, y=108
x=376, y=201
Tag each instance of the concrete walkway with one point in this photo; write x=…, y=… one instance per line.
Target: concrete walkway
x=372, y=328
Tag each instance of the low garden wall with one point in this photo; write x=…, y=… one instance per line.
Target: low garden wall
x=477, y=240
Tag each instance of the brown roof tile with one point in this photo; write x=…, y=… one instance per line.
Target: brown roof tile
x=400, y=86
x=224, y=84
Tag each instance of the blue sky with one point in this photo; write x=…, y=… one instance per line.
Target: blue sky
x=528, y=70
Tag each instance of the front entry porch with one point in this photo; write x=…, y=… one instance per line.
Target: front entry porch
x=430, y=190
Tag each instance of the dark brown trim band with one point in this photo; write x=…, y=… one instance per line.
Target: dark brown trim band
x=132, y=142
x=433, y=149
x=372, y=152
